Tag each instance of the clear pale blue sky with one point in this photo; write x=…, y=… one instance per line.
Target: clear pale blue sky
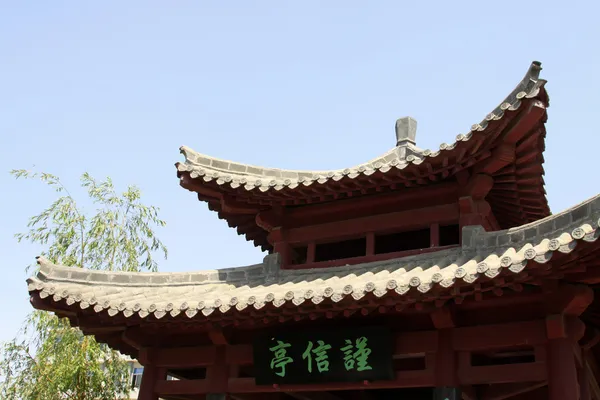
x=114, y=88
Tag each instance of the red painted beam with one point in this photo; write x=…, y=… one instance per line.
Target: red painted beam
x=509, y=373
x=499, y=336
x=404, y=379
x=242, y=354
x=196, y=386
x=361, y=206
x=463, y=339
x=508, y=390
x=184, y=357
x=363, y=259
x=417, y=218
x=239, y=354
x=416, y=342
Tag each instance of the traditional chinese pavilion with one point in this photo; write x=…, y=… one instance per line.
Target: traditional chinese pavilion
x=418, y=274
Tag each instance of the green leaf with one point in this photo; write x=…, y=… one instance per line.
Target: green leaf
x=49, y=359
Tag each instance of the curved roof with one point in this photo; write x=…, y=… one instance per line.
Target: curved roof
x=518, y=195
x=263, y=179
x=485, y=262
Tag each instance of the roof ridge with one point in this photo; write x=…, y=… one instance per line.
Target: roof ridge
x=577, y=222
x=49, y=271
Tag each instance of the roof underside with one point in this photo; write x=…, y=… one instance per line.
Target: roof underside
x=517, y=197
x=557, y=247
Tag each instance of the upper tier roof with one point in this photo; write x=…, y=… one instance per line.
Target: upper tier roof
x=518, y=195
x=263, y=179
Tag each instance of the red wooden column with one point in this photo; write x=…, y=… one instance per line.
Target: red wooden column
x=434, y=235
x=370, y=244
x=564, y=330
x=445, y=365
x=149, y=377
x=284, y=250
x=562, y=370
x=281, y=246
x=217, y=376
x=310, y=252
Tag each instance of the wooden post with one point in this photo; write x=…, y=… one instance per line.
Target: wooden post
x=370, y=244
x=284, y=249
x=562, y=370
x=217, y=376
x=446, y=381
x=310, y=252
x=445, y=360
x=149, y=377
x=434, y=235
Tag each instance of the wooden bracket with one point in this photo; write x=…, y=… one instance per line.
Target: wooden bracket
x=569, y=299
x=501, y=157
x=462, y=177
x=269, y=219
x=526, y=123
x=560, y=326
x=443, y=318
x=478, y=186
x=205, y=193
x=217, y=337
x=133, y=337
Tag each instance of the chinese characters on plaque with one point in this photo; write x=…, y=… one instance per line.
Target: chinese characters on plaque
x=325, y=356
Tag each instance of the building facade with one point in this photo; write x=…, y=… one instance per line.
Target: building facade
x=136, y=371
x=420, y=274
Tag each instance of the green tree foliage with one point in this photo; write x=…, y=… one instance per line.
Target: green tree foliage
x=51, y=360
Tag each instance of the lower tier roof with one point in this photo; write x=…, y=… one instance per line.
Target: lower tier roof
x=486, y=261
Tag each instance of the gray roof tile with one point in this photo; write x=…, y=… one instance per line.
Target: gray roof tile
x=227, y=290
x=264, y=179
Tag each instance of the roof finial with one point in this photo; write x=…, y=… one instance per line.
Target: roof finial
x=406, y=131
